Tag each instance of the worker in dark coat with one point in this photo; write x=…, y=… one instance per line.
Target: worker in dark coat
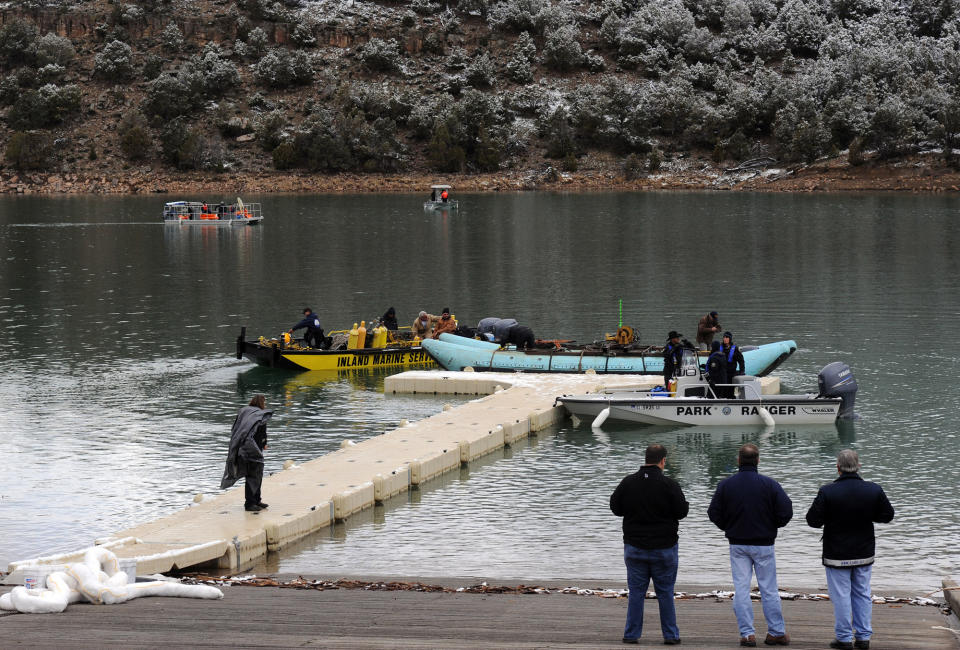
x=521, y=336
x=501, y=329
x=485, y=327
x=314, y=333
x=389, y=319
x=847, y=509
x=248, y=439
x=672, y=355
x=716, y=368
x=706, y=328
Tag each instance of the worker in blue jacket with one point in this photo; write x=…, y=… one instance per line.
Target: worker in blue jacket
x=734, y=358
x=314, y=334
x=749, y=508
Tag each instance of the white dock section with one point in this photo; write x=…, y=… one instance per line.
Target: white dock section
x=309, y=497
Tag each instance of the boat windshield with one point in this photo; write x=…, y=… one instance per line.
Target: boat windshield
x=689, y=364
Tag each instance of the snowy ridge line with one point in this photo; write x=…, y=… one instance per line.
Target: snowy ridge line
x=484, y=588
x=52, y=559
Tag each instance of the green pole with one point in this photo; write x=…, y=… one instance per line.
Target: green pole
x=621, y=314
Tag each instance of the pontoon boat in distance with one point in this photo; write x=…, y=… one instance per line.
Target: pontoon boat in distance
x=197, y=212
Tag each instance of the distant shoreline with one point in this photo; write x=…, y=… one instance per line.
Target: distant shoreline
x=833, y=175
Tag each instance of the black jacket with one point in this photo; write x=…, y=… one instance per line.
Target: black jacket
x=735, y=363
x=652, y=506
x=847, y=510
x=389, y=320
x=311, y=322
x=717, y=368
x=672, y=357
x=248, y=437
x=749, y=507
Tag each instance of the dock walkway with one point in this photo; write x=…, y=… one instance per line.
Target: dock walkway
x=309, y=497
x=272, y=617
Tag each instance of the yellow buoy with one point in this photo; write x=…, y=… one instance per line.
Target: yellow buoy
x=352, y=340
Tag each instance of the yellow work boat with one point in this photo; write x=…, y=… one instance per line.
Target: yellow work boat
x=383, y=349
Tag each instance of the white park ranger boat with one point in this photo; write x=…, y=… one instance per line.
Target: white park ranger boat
x=694, y=401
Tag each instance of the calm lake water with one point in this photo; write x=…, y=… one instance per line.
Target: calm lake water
x=118, y=383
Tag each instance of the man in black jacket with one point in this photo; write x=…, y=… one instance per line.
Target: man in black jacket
x=749, y=508
x=652, y=506
x=734, y=358
x=389, y=319
x=716, y=368
x=847, y=510
x=672, y=357
x=314, y=333
x=248, y=440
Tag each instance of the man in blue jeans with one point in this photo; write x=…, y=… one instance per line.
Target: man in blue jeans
x=652, y=506
x=847, y=510
x=749, y=508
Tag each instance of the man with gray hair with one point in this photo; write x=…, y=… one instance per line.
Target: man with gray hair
x=847, y=510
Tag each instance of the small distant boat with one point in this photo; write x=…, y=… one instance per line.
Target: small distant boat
x=440, y=204
x=393, y=349
x=457, y=352
x=694, y=402
x=198, y=212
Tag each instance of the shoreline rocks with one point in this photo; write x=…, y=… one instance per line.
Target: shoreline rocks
x=827, y=177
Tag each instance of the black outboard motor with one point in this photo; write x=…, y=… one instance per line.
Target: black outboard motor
x=837, y=380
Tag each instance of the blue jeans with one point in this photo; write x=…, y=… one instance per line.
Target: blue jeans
x=850, y=594
x=642, y=565
x=744, y=561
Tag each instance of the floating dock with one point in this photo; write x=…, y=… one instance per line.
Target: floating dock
x=217, y=533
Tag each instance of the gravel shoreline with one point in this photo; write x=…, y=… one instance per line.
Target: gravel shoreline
x=917, y=175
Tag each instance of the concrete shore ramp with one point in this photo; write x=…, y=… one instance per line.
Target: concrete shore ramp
x=303, y=499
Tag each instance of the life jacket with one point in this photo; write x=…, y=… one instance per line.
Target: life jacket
x=733, y=348
x=443, y=194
